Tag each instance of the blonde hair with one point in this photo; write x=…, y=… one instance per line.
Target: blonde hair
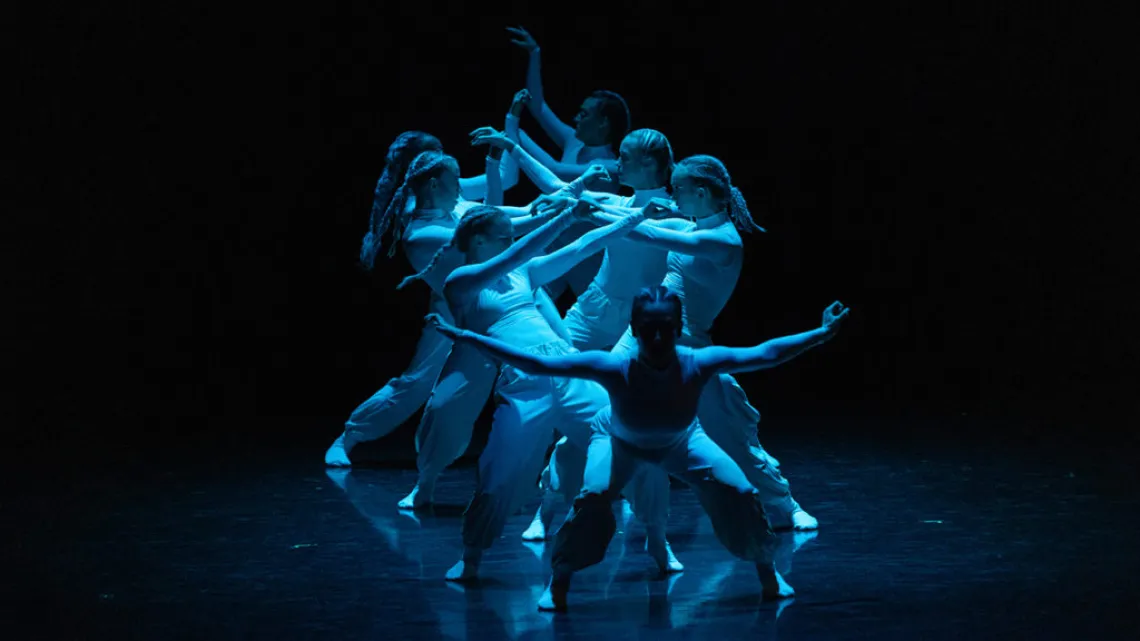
x=710, y=173
x=475, y=221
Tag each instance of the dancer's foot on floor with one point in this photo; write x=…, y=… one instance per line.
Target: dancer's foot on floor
x=468, y=567
x=420, y=497
x=773, y=586
x=553, y=599
x=337, y=454
x=662, y=554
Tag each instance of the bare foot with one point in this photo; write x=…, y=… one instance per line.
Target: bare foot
x=420, y=496
x=662, y=554
x=337, y=454
x=773, y=585
x=465, y=570
x=803, y=522
x=537, y=530
x=553, y=599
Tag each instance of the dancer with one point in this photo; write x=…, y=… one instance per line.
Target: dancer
x=599, y=126
x=655, y=391
x=494, y=292
x=431, y=185
x=394, y=403
x=600, y=315
x=703, y=268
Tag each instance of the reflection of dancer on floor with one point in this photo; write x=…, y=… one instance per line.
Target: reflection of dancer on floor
x=600, y=124
x=703, y=268
x=600, y=316
x=395, y=403
x=652, y=421
x=494, y=293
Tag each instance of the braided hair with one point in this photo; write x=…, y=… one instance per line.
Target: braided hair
x=428, y=165
x=401, y=152
x=661, y=295
x=475, y=221
x=710, y=173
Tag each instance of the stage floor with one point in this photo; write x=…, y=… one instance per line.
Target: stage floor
x=917, y=541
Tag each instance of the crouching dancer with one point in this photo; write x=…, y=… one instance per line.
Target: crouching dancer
x=654, y=393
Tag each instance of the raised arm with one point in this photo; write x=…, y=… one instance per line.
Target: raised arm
x=592, y=365
x=545, y=269
x=702, y=243
x=475, y=187
x=717, y=359
x=473, y=278
x=558, y=131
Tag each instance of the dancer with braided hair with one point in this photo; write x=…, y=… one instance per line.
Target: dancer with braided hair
x=704, y=265
x=431, y=187
x=655, y=391
x=600, y=316
x=493, y=292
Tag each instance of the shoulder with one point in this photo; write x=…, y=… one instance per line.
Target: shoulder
x=676, y=224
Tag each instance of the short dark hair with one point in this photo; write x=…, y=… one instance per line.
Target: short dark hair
x=659, y=295
x=615, y=110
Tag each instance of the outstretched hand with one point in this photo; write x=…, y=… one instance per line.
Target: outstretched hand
x=522, y=38
x=436, y=322
x=834, y=316
x=491, y=136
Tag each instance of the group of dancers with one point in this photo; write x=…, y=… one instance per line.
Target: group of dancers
x=628, y=380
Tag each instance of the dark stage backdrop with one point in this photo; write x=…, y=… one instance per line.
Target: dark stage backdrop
x=964, y=179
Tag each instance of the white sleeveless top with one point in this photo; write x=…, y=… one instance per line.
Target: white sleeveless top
x=705, y=285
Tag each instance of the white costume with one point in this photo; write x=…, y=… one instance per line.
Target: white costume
x=725, y=413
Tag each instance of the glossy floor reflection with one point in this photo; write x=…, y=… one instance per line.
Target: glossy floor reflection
x=918, y=541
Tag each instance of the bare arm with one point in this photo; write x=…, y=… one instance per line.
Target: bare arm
x=545, y=269
x=474, y=277
x=593, y=365
x=715, y=360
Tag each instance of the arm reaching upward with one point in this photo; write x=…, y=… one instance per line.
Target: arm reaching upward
x=475, y=187
x=592, y=365
x=717, y=359
x=558, y=131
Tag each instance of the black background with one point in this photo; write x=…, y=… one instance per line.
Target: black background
x=962, y=177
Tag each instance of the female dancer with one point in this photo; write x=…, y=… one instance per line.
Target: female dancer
x=394, y=403
x=494, y=293
x=703, y=268
x=432, y=181
x=600, y=316
x=655, y=391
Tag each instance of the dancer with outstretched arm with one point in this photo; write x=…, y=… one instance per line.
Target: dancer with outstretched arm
x=704, y=266
x=654, y=392
x=493, y=292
